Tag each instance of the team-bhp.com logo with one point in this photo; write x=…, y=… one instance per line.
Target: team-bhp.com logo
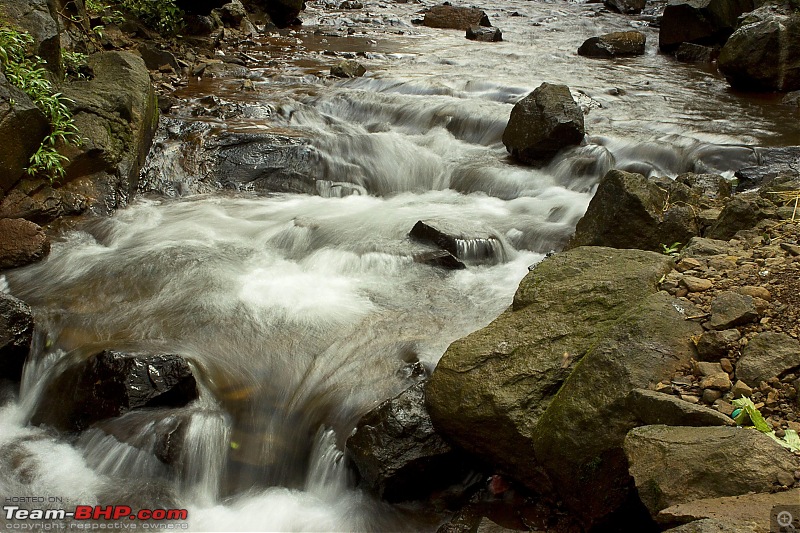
x=89, y=517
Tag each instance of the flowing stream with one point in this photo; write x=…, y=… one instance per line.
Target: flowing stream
x=301, y=311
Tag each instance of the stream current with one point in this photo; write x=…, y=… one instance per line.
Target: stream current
x=300, y=312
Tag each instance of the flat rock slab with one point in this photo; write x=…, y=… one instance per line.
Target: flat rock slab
x=712, y=525
x=675, y=465
x=730, y=309
x=658, y=408
x=750, y=512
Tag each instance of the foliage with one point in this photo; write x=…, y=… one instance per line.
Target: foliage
x=74, y=64
x=29, y=75
x=748, y=411
x=672, y=249
x=163, y=16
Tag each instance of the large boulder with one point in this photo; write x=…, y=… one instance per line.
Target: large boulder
x=629, y=7
x=542, y=123
x=21, y=242
x=578, y=440
x=700, y=21
x=616, y=44
x=490, y=388
x=673, y=465
x=455, y=17
x=112, y=383
x=763, y=54
x=631, y=211
x=16, y=332
x=22, y=129
x=116, y=113
x=399, y=454
x=768, y=354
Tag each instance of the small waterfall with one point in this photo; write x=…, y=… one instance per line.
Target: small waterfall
x=327, y=476
x=205, y=450
x=489, y=250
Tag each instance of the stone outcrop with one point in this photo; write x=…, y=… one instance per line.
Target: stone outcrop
x=631, y=211
x=16, y=333
x=454, y=17
x=706, y=22
x=21, y=242
x=763, y=54
x=22, y=128
x=398, y=452
x=493, y=391
x=543, y=123
x=112, y=383
x=703, y=463
x=617, y=44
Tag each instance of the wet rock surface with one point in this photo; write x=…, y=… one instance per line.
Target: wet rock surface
x=455, y=17
x=399, y=454
x=21, y=242
x=542, y=123
x=464, y=241
x=487, y=35
x=16, y=333
x=618, y=44
x=112, y=383
x=700, y=21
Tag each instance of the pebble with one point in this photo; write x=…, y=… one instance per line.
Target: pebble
x=726, y=365
x=693, y=284
x=740, y=388
x=755, y=292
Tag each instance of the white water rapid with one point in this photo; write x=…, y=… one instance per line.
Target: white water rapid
x=300, y=312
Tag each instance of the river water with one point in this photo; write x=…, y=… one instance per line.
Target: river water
x=300, y=312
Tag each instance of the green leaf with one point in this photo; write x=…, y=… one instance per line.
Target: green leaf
x=750, y=412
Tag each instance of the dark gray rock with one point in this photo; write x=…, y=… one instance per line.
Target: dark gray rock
x=464, y=240
x=282, y=13
x=628, y=7
x=702, y=463
x=232, y=14
x=16, y=332
x=713, y=345
x=702, y=247
x=763, y=54
x=21, y=242
x=439, y=258
x=112, y=383
x=767, y=355
x=730, y=309
x=22, y=129
x=711, y=186
x=631, y=211
x=743, y=211
x=695, y=53
x=543, y=123
x=773, y=163
x=487, y=35
x=399, y=454
x=349, y=68
x=454, y=17
x=792, y=99
x=349, y=4
x=40, y=202
x=700, y=21
x=653, y=408
x=37, y=18
x=617, y=44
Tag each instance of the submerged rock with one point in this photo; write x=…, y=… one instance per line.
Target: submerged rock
x=399, y=454
x=454, y=17
x=488, y=35
x=628, y=7
x=16, y=333
x=21, y=242
x=763, y=54
x=704, y=22
x=695, y=53
x=617, y=44
x=702, y=463
x=543, y=123
x=466, y=242
x=348, y=68
x=112, y=383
